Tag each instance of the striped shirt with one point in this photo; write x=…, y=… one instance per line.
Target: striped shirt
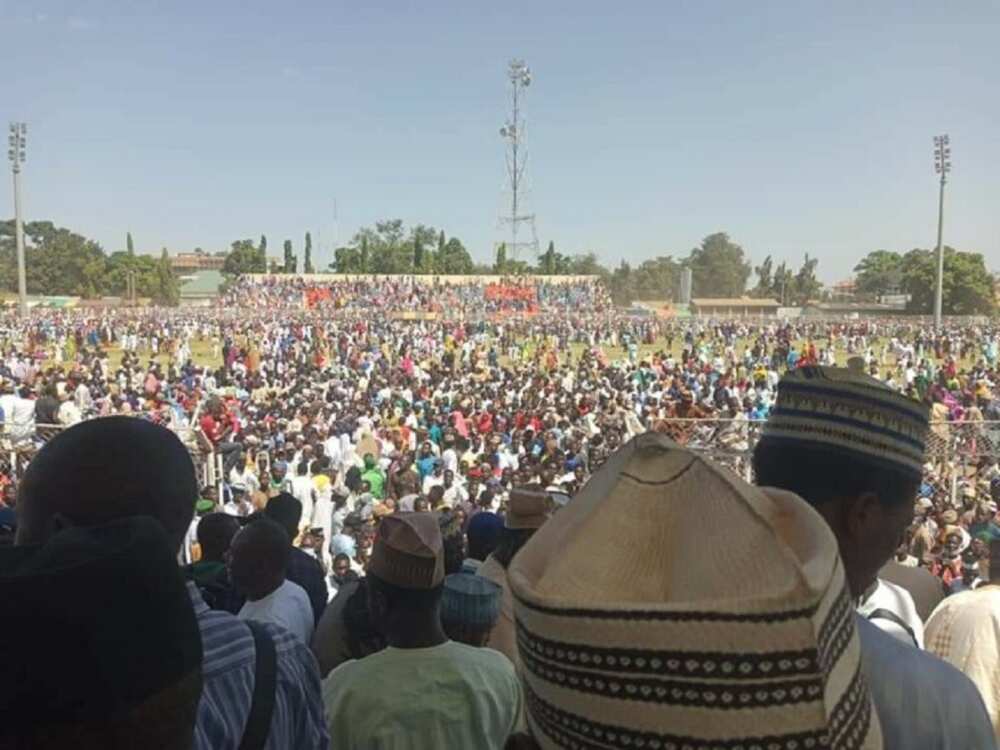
x=228, y=670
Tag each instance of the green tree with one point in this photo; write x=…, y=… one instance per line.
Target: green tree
x=583, y=264
x=547, y=263
x=500, y=266
x=168, y=289
x=418, y=255
x=263, y=246
x=440, y=253
x=245, y=257
x=784, y=284
x=454, y=259
x=967, y=287
x=347, y=260
x=364, y=256
x=58, y=261
x=878, y=273
x=308, y=268
x=621, y=284
x=718, y=267
x=291, y=262
x=806, y=286
x=765, y=279
x=128, y=244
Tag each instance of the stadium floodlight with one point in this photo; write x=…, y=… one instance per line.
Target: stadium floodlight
x=942, y=166
x=17, y=141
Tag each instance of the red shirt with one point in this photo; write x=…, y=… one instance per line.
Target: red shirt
x=211, y=428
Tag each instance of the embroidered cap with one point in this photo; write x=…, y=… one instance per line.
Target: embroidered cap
x=845, y=410
x=408, y=551
x=470, y=601
x=632, y=633
x=527, y=509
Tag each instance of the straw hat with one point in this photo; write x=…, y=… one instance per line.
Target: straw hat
x=634, y=631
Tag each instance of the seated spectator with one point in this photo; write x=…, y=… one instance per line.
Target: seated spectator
x=431, y=691
x=119, y=467
x=83, y=666
x=258, y=559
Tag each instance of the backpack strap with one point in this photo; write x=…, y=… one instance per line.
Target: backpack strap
x=888, y=614
x=265, y=681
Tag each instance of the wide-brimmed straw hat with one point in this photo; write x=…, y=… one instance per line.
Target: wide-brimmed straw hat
x=672, y=605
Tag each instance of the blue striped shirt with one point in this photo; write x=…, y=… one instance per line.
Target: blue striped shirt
x=228, y=675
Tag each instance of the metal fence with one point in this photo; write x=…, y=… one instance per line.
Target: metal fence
x=961, y=458
x=19, y=443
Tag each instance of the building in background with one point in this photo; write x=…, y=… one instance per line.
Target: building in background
x=185, y=263
x=200, y=289
x=734, y=307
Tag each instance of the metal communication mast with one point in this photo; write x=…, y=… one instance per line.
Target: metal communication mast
x=517, y=159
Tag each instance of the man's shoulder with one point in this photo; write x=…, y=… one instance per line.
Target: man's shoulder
x=302, y=561
x=486, y=658
x=887, y=658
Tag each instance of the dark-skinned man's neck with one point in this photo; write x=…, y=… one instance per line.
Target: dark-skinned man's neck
x=419, y=632
x=258, y=592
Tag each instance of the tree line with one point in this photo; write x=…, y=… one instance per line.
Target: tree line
x=968, y=287
x=60, y=262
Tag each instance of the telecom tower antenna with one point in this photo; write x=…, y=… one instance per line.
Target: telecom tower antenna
x=513, y=132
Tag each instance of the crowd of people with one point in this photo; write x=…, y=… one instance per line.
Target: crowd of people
x=430, y=516
x=449, y=296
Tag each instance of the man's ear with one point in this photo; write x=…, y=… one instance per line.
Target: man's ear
x=858, y=514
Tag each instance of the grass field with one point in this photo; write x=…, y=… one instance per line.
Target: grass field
x=202, y=354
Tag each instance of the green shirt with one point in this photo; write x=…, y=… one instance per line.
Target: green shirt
x=376, y=481
x=447, y=696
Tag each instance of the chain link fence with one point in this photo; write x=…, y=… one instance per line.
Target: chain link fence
x=961, y=459
x=19, y=443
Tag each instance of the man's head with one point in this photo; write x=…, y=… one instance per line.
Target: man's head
x=483, y=533
x=341, y=565
x=406, y=571
x=470, y=608
x=101, y=646
x=853, y=449
x=105, y=469
x=286, y=511
x=215, y=535
x=258, y=557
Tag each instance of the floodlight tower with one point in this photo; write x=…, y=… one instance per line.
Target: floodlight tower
x=513, y=132
x=942, y=165
x=17, y=143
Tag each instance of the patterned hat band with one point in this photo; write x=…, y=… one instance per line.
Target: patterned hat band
x=849, y=411
x=622, y=648
x=860, y=442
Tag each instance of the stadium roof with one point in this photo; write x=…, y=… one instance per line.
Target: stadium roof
x=734, y=302
x=201, y=284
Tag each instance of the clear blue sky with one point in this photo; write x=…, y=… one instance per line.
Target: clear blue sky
x=796, y=127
